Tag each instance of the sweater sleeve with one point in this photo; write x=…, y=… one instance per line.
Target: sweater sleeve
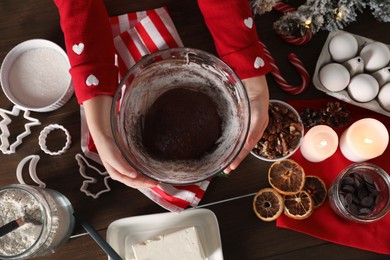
x=233, y=29
x=90, y=47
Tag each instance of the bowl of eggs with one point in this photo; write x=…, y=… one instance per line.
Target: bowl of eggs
x=356, y=70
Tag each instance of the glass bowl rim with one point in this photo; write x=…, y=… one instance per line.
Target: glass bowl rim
x=144, y=60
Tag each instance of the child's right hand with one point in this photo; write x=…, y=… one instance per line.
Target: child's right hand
x=97, y=112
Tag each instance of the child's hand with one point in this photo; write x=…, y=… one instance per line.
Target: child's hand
x=117, y=167
x=258, y=94
x=97, y=112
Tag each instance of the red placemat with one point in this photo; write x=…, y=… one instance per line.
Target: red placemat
x=324, y=223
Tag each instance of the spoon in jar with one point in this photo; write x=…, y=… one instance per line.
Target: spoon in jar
x=14, y=224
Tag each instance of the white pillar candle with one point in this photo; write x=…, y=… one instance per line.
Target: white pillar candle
x=364, y=140
x=319, y=143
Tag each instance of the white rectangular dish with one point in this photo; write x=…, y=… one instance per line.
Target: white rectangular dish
x=343, y=95
x=123, y=233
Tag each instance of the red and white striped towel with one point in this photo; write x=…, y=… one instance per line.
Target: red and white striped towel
x=135, y=35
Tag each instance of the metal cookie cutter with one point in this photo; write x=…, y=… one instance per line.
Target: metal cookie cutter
x=32, y=170
x=83, y=163
x=5, y=146
x=44, y=133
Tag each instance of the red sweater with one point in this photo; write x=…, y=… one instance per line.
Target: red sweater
x=86, y=27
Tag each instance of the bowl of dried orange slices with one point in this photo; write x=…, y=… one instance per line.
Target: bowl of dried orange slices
x=292, y=192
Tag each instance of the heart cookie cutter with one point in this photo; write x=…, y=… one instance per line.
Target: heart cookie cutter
x=5, y=146
x=83, y=164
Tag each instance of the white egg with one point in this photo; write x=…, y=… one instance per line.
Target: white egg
x=334, y=77
x=376, y=55
x=384, y=96
x=363, y=88
x=343, y=46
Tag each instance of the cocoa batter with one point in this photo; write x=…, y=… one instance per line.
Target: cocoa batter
x=181, y=124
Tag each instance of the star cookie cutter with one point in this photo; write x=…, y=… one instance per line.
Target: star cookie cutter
x=83, y=164
x=31, y=169
x=6, y=147
x=46, y=131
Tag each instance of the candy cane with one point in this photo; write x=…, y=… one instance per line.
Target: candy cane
x=285, y=8
x=297, y=63
x=296, y=40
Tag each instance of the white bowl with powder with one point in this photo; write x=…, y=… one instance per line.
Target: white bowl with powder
x=35, y=76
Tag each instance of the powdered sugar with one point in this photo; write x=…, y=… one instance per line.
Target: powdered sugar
x=39, y=77
x=46, y=206
x=14, y=204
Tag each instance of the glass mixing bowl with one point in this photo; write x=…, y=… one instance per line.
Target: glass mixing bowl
x=173, y=68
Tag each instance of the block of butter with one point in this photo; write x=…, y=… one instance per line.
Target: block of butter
x=178, y=245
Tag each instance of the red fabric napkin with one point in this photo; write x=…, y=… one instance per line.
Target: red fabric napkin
x=324, y=223
x=135, y=35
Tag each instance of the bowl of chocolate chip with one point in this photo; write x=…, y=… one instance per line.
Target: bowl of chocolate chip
x=180, y=116
x=361, y=193
x=283, y=134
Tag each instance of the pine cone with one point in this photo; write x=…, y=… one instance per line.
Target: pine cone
x=335, y=114
x=311, y=117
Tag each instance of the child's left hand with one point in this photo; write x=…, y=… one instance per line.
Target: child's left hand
x=258, y=94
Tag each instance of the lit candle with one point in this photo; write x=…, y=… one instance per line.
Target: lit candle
x=364, y=140
x=319, y=143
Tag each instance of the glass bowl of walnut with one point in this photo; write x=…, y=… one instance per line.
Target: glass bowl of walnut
x=283, y=134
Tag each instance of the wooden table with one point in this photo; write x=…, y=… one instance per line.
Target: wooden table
x=243, y=235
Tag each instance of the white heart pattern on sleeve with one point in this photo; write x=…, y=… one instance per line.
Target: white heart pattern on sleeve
x=78, y=48
x=259, y=62
x=248, y=22
x=92, y=81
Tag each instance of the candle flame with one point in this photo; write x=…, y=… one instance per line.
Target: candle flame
x=368, y=140
x=323, y=143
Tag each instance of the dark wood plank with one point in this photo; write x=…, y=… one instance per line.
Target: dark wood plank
x=243, y=235
x=78, y=248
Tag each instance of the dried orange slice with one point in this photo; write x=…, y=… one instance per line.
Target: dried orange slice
x=299, y=205
x=268, y=204
x=316, y=189
x=286, y=176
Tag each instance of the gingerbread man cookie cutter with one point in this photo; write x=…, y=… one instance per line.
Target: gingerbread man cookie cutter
x=32, y=170
x=83, y=164
x=46, y=131
x=5, y=146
